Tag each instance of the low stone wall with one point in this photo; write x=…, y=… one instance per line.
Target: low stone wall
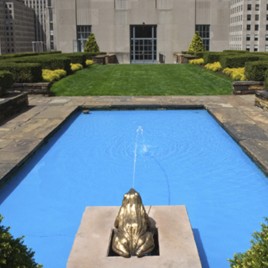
x=247, y=87
x=184, y=58
x=12, y=105
x=261, y=99
x=106, y=59
x=33, y=88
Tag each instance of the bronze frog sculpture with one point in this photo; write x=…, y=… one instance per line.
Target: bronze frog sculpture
x=133, y=235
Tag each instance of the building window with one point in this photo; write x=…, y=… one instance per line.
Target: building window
x=248, y=37
x=249, y=7
x=83, y=31
x=248, y=27
x=257, y=17
x=256, y=37
x=248, y=17
x=256, y=27
x=257, y=7
x=204, y=32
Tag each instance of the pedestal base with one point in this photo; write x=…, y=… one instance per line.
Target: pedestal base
x=176, y=242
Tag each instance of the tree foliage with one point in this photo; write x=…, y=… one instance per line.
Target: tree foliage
x=257, y=255
x=13, y=252
x=91, y=45
x=196, y=44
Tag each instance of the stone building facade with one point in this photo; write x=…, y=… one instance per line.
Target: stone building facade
x=17, y=27
x=141, y=31
x=249, y=25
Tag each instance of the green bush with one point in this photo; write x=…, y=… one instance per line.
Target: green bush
x=13, y=252
x=210, y=57
x=236, y=61
x=91, y=44
x=6, y=81
x=18, y=55
x=52, y=62
x=266, y=79
x=23, y=72
x=78, y=57
x=257, y=255
x=234, y=51
x=196, y=44
x=255, y=70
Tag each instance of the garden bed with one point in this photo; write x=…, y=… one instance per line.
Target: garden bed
x=247, y=87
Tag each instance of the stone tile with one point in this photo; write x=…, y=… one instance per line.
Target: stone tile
x=258, y=150
x=246, y=131
x=59, y=112
x=5, y=168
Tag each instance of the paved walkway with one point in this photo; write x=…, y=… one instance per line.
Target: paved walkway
x=24, y=134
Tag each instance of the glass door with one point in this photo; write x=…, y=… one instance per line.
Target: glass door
x=143, y=43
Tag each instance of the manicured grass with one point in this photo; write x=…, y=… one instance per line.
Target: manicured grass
x=143, y=80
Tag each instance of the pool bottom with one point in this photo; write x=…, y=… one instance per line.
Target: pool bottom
x=59, y=183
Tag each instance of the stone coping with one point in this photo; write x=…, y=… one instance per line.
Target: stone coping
x=177, y=246
x=25, y=133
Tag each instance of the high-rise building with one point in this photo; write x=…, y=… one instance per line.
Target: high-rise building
x=44, y=36
x=17, y=27
x=249, y=25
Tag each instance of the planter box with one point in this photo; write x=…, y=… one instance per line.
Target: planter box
x=184, y=58
x=261, y=99
x=33, y=88
x=247, y=87
x=12, y=104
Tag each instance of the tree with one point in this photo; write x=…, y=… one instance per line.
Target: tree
x=196, y=44
x=13, y=252
x=91, y=45
x=257, y=255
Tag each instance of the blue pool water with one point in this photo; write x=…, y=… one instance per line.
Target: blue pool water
x=182, y=157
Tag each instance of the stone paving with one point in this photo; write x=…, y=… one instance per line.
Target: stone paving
x=21, y=136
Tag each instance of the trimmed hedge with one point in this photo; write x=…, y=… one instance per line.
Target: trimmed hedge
x=256, y=70
x=236, y=61
x=23, y=72
x=52, y=62
x=78, y=57
x=6, y=79
x=210, y=57
x=18, y=55
x=266, y=79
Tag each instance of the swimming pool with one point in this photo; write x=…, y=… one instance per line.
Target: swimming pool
x=183, y=157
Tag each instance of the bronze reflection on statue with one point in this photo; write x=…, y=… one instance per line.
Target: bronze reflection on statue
x=133, y=235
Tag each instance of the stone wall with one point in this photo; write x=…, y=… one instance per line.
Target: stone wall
x=12, y=105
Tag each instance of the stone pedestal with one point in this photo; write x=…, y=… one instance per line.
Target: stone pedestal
x=176, y=242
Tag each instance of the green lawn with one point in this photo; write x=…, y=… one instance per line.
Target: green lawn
x=143, y=80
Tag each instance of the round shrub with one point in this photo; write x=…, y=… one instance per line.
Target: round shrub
x=235, y=73
x=215, y=66
x=89, y=62
x=53, y=75
x=197, y=61
x=13, y=252
x=76, y=66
